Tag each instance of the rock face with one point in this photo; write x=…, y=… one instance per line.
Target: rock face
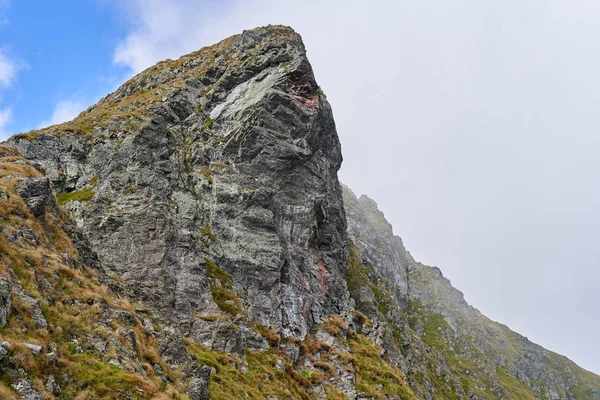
x=188, y=236
x=26, y=390
x=5, y=301
x=64, y=331
x=234, y=159
x=374, y=238
x=447, y=349
x=198, y=388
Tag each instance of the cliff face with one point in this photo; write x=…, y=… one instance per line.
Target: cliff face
x=211, y=224
x=65, y=331
x=373, y=237
x=226, y=156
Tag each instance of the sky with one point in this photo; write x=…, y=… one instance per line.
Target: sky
x=473, y=124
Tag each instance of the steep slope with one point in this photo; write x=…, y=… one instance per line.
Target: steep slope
x=64, y=329
x=215, y=250
x=449, y=349
x=67, y=331
x=208, y=188
x=229, y=156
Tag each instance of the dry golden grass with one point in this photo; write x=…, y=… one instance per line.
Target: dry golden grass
x=326, y=367
x=6, y=393
x=77, y=309
x=362, y=318
x=8, y=168
x=5, y=151
x=334, y=325
x=272, y=337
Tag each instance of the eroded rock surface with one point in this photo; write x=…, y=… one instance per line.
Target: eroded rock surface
x=209, y=251
x=234, y=161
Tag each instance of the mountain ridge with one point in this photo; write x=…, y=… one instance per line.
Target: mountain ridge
x=206, y=200
x=365, y=199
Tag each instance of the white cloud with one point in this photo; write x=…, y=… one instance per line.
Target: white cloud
x=64, y=111
x=161, y=29
x=5, y=118
x=8, y=68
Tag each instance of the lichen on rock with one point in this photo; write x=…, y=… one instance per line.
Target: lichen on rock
x=189, y=238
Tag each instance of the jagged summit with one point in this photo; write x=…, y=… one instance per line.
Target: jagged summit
x=188, y=235
x=235, y=141
x=213, y=69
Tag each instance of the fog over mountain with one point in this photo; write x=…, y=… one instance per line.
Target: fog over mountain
x=188, y=235
x=472, y=124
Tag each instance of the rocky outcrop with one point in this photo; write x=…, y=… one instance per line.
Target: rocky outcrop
x=25, y=389
x=37, y=195
x=198, y=388
x=233, y=158
x=5, y=301
x=64, y=329
x=373, y=236
x=188, y=236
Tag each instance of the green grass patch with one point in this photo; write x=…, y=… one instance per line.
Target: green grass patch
x=81, y=195
x=263, y=377
x=374, y=376
x=221, y=287
x=208, y=125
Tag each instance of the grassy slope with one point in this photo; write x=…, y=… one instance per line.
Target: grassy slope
x=74, y=301
x=454, y=365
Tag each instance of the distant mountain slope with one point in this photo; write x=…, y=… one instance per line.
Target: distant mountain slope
x=452, y=349
x=188, y=234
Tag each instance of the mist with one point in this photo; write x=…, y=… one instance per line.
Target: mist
x=472, y=124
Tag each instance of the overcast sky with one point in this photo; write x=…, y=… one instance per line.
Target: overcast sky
x=473, y=124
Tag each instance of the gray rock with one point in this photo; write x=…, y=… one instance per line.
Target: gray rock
x=372, y=234
x=159, y=371
x=223, y=335
x=52, y=358
x=481, y=342
x=249, y=155
x=5, y=301
x=280, y=365
x=210, y=188
x=25, y=389
x=35, y=308
x=52, y=386
x=7, y=362
x=5, y=348
x=37, y=195
x=198, y=386
x=125, y=316
x=100, y=346
x=292, y=350
x=35, y=348
x=172, y=347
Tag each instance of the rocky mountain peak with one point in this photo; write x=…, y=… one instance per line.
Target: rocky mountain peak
x=228, y=62
x=187, y=237
x=225, y=158
x=367, y=202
